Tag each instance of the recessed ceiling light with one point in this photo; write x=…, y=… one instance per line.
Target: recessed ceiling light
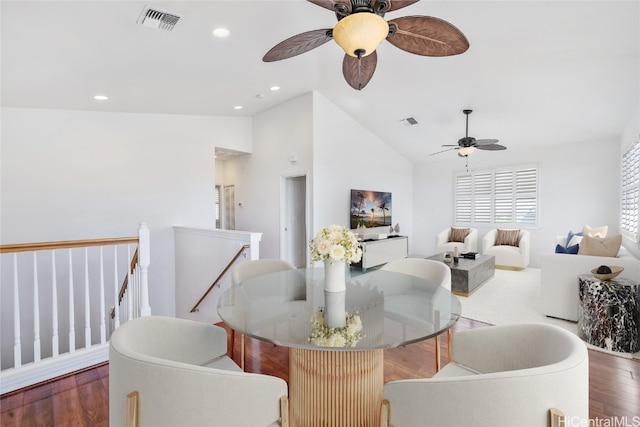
x=101, y=97
x=221, y=32
x=238, y=107
x=274, y=88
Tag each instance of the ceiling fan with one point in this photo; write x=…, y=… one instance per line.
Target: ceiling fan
x=361, y=28
x=468, y=144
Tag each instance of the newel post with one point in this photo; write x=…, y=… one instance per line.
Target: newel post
x=144, y=259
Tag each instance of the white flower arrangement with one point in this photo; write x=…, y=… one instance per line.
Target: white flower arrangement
x=324, y=336
x=335, y=243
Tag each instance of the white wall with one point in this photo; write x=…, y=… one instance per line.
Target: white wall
x=579, y=184
x=348, y=156
x=81, y=175
x=335, y=152
x=278, y=133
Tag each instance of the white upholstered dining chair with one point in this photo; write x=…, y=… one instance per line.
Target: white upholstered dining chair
x=247, y=270
x=433, y=272
x=500, y=376
x=165, y=371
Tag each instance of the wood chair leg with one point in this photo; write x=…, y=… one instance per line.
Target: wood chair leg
x=242, y=351
x=232, y=336
x=449, y=345
x=437, y=353
x=131, y=416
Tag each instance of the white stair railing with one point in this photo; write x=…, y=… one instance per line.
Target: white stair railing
x=42, y=340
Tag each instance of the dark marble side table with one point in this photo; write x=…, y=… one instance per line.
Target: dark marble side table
x=609, y=313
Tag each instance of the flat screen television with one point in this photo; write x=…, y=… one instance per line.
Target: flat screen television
x=370, y=208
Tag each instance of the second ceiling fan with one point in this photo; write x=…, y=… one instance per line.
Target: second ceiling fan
x=469, y=144
x=361, y=28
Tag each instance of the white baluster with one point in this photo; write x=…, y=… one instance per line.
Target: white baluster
x=36, y=311
x=87, y=302
x=103, y=328
x=17, y=345
x=55, y=340
x=72, y=325
x=116, y=306
x=144, y=259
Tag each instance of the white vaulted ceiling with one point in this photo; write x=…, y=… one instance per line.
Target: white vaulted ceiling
x=536, y=72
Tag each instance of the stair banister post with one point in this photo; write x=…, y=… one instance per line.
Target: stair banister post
x=144, y=259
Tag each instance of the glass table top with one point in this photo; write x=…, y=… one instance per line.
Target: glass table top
x=394, y=309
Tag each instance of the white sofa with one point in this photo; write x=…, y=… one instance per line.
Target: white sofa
x=559, y=282
x=509, y=375
x=179, y=369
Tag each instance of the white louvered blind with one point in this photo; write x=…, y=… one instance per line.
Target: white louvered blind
x=630, y=197
x=506, y=196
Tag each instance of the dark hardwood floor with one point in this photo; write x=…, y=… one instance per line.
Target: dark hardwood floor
x=82, y=399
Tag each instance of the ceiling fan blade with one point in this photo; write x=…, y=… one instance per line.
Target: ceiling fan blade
x=399, y=4
x=491, y=147
x=331, y=4
x=450, y=145
x=298, y=44
x=358, y=72
x=448, y=149
x=485, y=142
x=427, y=36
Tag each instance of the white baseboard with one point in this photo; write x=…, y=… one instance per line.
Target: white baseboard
x=33, y=373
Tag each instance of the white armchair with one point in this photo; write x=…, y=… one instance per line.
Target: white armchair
x=511, y=375
x=178, y=370
x=508, y=256
x=470, y=243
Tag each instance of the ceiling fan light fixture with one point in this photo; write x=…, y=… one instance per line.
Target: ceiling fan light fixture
x=359, y=34
x=465, y=151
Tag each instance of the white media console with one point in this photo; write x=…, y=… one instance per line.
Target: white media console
x=378, y=252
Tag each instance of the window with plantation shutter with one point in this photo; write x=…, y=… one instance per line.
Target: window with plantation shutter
x=501, y=197
x=630, y=197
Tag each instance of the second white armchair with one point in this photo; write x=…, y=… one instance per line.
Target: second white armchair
x=510, y=247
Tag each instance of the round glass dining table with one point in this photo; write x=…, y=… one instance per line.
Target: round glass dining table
x=335, y=385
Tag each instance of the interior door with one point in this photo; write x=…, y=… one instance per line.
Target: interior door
x=295, y=223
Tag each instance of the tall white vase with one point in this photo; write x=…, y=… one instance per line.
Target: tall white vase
x=334, y=276
x=335, y=313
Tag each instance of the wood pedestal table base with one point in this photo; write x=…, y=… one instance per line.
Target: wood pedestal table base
x=335, y=388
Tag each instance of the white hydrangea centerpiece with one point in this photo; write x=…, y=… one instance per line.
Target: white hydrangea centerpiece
x=325, y=336
x=335, y=243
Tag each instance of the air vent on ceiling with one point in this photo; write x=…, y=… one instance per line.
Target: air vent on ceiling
x=158, y=19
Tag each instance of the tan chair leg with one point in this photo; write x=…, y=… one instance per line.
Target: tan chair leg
x=384, y=413
x=557, y=418
x=131, y=416
x=284, y=411
x=437, y=353
x=449, y=344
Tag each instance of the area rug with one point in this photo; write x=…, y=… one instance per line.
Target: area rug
x=514, y=297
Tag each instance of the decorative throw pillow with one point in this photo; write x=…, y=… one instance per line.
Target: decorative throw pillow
x=573, y=238
x=507, y=238
x=568, y=250
x=600, y=247
x=458, y=234
x=595, y=231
